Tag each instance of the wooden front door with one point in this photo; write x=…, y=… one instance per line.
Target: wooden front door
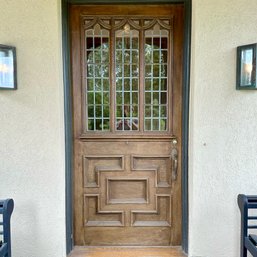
x=127, y=91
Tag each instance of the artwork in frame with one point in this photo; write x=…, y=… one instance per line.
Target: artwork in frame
x=8, y=70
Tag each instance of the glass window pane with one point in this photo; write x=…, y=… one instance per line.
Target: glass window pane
x=90, y=98
x=163, y=84
x=119, y=98
x=148, y=111
x=127, y=78
x=156, y=98
x=106, y=111
x=148, y=70
x=135, y=98
x=156, y=111
x=163, y=97
x=156, y=84
x=106, y=124
x=163, y=124
x=90, y=111
x=106, y=85
x=90, y=124
x=98, y=111
x=134, y=84
x=148, y=84
x=155, y=124
x=148, y=124
x=148, y=98
x=90, y=84
x=163, y=111
x=127, y=97
x=98, y=82
x=135, y=111
x=156, y=88
x=106, y=98
x=119, y=111
x=126, y=84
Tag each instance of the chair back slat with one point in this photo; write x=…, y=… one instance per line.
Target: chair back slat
x=6, y=209
x=247, y=205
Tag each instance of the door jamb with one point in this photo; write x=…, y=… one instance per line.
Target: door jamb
x=68, y=110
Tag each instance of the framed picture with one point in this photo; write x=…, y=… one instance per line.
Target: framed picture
x=246, y=67
x=8, y=69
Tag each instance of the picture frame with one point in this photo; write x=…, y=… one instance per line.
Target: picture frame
x=8, y=67
x=246, y=67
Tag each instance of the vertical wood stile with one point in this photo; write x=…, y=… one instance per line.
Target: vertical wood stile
x=141, y=76
x=112, y=77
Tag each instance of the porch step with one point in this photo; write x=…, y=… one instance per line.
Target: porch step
x=127, y=252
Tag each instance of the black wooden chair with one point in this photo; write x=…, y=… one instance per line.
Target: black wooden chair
x=6, y=209
x=248, y=241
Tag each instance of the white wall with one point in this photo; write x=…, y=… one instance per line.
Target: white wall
x=223, y=124
x=32, y=128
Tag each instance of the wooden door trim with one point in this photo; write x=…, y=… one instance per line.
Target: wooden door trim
x=68, y=111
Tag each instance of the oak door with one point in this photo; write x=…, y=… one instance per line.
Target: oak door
x=127, y=87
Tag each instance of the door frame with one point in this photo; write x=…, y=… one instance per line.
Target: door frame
x=68, y=110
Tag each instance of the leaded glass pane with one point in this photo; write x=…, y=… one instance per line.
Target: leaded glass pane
x=130, y=82
x=127, y=78
x=156, y=88
x=98, y=82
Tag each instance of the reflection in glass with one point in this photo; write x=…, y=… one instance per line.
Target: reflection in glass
x=247, y=67
x=98, y=85
x=127, y=78
x=7, y=67
x=156, y=61
x=130, y=82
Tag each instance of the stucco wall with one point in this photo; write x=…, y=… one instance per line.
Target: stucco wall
x=31, y=132
x=223, y=123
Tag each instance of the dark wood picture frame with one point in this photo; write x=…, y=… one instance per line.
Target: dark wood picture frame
x=8, y=67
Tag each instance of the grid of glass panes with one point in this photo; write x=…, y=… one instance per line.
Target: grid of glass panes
x=97, y=79
x=127, y=78
x=156, y=80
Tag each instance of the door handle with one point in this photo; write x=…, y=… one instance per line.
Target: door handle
x=174, y=158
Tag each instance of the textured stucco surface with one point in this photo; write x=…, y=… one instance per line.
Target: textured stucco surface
x=31, y=133
x=223, y=142
x=223, y=123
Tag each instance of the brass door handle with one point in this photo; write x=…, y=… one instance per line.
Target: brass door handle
x=174, y=158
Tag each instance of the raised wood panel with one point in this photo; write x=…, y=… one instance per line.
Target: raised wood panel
x=93, y=165
x=127, y=191
x=136, y=193
x=161, y=217
x=159, y=164
x=95, y=217
x=122, y=193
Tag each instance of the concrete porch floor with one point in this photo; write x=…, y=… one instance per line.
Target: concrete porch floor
x=127, y=252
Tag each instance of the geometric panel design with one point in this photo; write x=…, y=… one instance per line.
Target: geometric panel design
x=127, y=190
x=161, y=165
x=161, y=217
x=94, y=164
x=94, y=217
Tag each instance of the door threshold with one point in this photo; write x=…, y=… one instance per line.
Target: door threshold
x=126, y=251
